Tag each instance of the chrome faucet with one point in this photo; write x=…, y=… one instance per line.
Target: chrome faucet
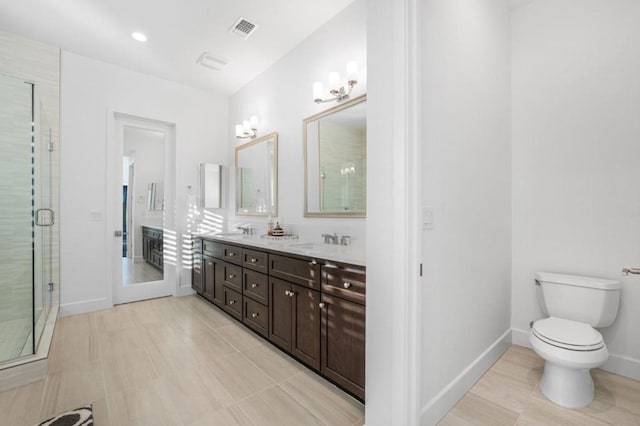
x=246, y=229
x=345, y=240
x=330, y=239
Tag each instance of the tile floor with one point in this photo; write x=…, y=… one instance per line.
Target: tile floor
x=174, y=361
x=508, y=394
x=180, y=361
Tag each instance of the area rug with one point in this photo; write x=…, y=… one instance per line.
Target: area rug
x=82, y=416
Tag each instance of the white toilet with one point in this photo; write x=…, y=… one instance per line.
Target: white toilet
x=567, y=340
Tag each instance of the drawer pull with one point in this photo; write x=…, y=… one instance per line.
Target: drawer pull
x=292, y=293
x=232, y=276
x=313, y=262
x=346, y=285
x=254, y=315
x=231, y=254
x=210, y=263
x=254, y=260
x=254, y=285
x=286, y=292
x=231, y=302
x=321, y=305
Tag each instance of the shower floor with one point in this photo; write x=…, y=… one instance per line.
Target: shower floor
x=16, y=339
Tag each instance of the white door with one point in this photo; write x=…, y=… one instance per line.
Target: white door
x=148, y=270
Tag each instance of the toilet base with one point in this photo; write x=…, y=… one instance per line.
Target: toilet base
x=568, y=387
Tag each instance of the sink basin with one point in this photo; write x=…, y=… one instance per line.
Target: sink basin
x=316, y=247
x=231, y=235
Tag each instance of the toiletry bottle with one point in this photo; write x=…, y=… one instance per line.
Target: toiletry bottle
x=270, y=225
x=278, y=231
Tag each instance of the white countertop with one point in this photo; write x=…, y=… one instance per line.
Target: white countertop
x=337, y=253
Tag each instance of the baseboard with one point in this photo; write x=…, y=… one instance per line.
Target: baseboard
x=84, y=306
x=617, y=364
x=439, y=405
x=520, y=337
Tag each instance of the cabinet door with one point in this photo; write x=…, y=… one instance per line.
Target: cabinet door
x=343, y=344
x=280, y=304
x=305, y=328
x=196, y=273
x=213, y=280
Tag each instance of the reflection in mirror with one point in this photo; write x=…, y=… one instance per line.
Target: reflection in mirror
x=142, y=205
x=257, y=177
x=335, y=156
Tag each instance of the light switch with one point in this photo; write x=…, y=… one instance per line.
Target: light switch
x=427, y=218
x=95, y=215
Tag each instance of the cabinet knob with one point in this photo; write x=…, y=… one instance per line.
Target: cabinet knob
x=254, y=285
x=286, y=292
x=253, y=260
x=254, y=315
x=210, y=263
x=231, y=276
x=321, y=305
x=231, y=302
x=231, y=254
x=346, y=285
x=313, y=262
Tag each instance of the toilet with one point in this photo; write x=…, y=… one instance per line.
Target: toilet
x=567, y=339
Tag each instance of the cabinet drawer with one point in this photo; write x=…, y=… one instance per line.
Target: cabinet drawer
x=256, y=316
x=232, y=276
x=211, y=248
x=256, y=260
x=232, y=254
x=348, y=283
x=233, y=303
x=256, y=286
x=305, y=272
x=196, y=245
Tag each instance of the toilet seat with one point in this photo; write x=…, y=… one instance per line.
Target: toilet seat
x=567, y=334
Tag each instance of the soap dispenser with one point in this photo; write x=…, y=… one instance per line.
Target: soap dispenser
x=278, y=231
x=270, y=225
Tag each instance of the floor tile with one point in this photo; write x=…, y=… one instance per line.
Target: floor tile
x=276, y=407
x=474, y=410
x=272, y=362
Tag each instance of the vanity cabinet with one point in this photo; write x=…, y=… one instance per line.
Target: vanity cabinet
x=295, y=320
x=311, y=308
x=343, y=325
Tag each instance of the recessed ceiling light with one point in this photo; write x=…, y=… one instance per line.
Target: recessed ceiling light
x=138, y=36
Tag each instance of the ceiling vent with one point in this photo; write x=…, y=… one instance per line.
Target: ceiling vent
x=210, y=61
x=243, y=28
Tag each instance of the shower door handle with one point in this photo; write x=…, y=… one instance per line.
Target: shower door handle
x=52, y=216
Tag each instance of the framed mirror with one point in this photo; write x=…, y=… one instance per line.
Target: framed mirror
x=335, y=161
x=257, y=177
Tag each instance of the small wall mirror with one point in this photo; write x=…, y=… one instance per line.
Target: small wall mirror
x=257, y=177
x=210, y=186
x=335, y=161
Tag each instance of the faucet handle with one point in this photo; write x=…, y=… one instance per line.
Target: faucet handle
x=345, y=240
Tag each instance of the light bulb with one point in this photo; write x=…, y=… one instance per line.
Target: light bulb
x=352, y=71
x=318, y=88
x=334, y=81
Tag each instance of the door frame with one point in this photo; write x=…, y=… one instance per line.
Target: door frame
x=115, y=126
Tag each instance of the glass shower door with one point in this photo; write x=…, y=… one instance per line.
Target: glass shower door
x=44, y=219
x=16, y=218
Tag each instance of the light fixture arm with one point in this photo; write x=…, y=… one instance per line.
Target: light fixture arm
x=338, y=94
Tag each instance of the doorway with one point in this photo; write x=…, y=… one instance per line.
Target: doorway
x=142, y=166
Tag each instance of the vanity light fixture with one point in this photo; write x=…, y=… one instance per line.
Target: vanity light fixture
x=248, y=128
x=337, y=91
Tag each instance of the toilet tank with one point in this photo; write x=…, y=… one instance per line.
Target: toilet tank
x=590, y=300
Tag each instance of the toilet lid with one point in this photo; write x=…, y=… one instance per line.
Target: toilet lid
x=568, y=334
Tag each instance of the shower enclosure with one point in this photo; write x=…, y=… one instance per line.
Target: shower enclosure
x=28, y=230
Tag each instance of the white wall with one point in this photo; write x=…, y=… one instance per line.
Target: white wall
x=282, y=97
x=89, y=89
x=576, y=142
x=466, y=179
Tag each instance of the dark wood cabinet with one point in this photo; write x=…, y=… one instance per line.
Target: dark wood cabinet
x=295, y=320
x=197, y=277
x=313, y=309
x=343, y=343
x=213, y=287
